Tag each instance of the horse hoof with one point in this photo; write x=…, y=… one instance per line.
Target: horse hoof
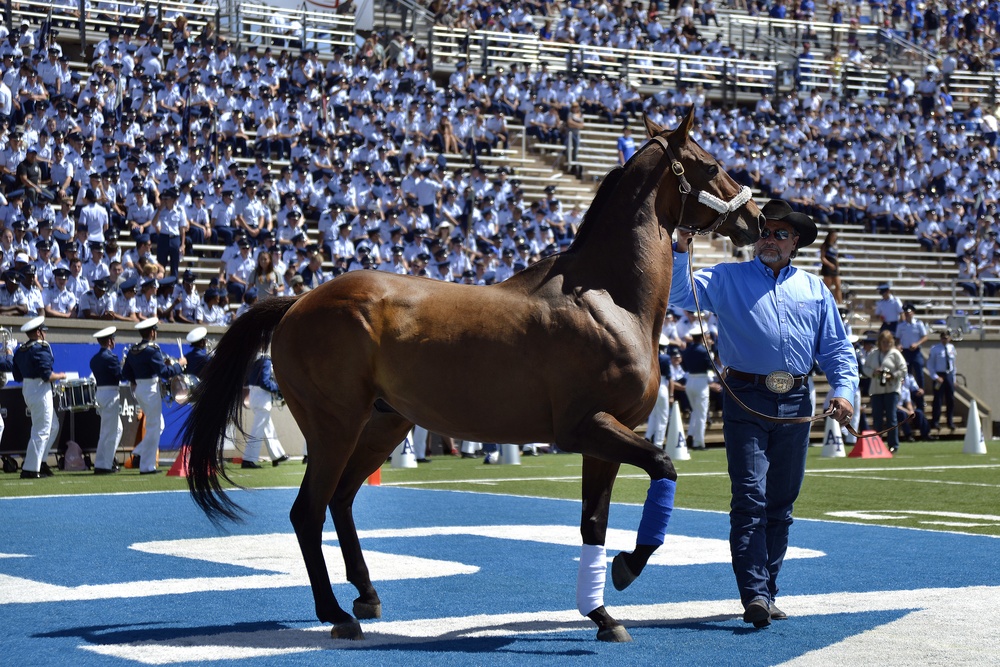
x=348, y=630
x=364, y=610
x=616, y=633
x=621, y=575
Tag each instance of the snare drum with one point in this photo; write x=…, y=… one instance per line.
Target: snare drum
x=78, y=395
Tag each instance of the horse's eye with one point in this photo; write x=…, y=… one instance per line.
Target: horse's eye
x=713, y=171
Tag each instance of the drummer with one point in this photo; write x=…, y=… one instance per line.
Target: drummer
x=33, y=363
x=107, y=371
x=144, y=368
x=198, y=356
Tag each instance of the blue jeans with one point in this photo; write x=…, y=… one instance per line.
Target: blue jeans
x=767, y=463
x=884, y=416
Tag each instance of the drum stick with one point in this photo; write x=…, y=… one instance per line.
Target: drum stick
x=180, y=349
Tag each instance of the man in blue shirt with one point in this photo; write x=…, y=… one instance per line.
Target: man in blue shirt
x=626, y=145
x=775, y=321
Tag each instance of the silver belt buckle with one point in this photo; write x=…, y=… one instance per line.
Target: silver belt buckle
x=780, y=382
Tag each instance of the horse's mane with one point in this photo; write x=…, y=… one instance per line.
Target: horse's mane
x=604, y=192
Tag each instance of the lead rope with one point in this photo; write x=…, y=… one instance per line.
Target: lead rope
x=732, y=394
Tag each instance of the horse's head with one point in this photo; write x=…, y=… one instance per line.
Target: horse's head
x=696, y=194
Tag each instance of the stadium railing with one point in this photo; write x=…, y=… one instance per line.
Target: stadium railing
x=485, y=50
x=269, y=26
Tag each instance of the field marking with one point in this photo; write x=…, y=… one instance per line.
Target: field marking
x=915, y=481
x=275, y=560
x=721, y=473
x=940, y=626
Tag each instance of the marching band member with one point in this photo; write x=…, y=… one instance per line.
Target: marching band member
x=263, y=388
x=6, y=366
x=198, y=356
x=144, y=368
x=33, y=363
x=107, y=370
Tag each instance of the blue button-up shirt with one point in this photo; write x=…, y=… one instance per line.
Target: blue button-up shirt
x=768, y=324
x=908, y=333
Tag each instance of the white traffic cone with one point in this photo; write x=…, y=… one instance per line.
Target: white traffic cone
x=833, y=442
x=676, y=437
x=975, y=443
x=403, y=456
x=510, y=455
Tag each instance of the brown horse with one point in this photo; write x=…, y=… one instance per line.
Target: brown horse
x=569, y=346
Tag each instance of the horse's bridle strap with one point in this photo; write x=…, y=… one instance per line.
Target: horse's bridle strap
x=723, y=208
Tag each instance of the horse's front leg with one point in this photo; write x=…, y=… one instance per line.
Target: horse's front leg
x=598, y=481
x=603, y=437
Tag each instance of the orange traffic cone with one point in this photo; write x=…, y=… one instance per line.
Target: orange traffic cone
x=375, y=479
x=870, y=446
x=180, y=466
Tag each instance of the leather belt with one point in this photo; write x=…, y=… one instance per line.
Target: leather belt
x=797, y=381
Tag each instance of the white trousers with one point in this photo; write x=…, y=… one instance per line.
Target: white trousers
x=419, y=442
x=656, y=427
x=697, y=393
x=262, y=428
x=147, y=395
x=38, y=397
x=109, y=408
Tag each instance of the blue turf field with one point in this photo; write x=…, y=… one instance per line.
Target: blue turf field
x=465, y=579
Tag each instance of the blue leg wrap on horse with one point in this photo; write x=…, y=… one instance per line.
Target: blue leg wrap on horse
x=656, y=512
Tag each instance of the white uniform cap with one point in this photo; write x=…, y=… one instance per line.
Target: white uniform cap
x=147, y=324
x=196, y=334
x=104, y=333
x=696, y=330
x=664, y=341
x=33, y=324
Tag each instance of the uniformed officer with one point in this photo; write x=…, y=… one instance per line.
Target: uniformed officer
x=107, y=370
x=656, y=427
x=144, y=368
x=263, y=388
x=198, y=356
x=6, y=366
x=97, y=303
x=698, y=364
x=33, y=363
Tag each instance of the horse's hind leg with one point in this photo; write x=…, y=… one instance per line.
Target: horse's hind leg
x=326, y=466
x=382, y=433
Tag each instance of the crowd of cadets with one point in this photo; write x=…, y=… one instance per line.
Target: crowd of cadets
x=172, y=149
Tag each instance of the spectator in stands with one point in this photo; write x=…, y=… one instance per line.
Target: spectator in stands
x=830, y=265
x=626, y=145
x=889, y=308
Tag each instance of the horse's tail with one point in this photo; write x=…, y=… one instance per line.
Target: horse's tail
x=218, y=400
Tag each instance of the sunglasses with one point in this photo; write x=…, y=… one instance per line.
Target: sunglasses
x=780, y=234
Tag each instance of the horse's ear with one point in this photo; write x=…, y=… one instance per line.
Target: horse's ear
x=652, y=129
x=685, y=127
